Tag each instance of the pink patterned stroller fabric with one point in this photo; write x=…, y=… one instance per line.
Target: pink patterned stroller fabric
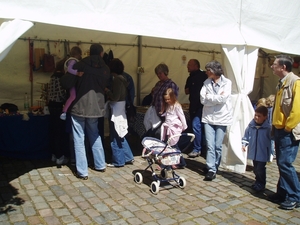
x=160, y=152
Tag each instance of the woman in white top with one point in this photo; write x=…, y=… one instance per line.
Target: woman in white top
x=118, y=126
x=215, y=95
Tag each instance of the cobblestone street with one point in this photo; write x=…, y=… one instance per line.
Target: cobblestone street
x=37, y=192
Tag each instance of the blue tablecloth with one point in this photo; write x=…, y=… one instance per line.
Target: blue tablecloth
x=24, y=139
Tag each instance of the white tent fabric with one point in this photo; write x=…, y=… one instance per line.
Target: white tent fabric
x=10, y=32
x=240, y=62
x=165, y=19
x=240, y=26
x=270, y=24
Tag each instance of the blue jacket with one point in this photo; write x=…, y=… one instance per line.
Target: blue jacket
x=258, y=140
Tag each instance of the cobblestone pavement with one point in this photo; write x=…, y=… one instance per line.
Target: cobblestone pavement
x=37, y=192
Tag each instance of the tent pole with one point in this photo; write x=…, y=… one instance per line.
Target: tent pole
x=138, y=89
x=261, y=87
x=30, y=70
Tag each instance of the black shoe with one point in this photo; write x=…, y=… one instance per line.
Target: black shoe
x=112, y=165
x=80, y=177
x=194, y=154
x=210, y=176
x=129, y=162
x=276, y=198
x=258, y=187
x=289, y=205
x=205, y=170
x=102, y=171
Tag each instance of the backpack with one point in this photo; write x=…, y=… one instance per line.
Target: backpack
x=9, y=108
x=130, y=108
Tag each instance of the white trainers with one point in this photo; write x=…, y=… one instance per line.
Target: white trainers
x=62, y=160
x=271, y=158
x=53, y=158
x=63, y=116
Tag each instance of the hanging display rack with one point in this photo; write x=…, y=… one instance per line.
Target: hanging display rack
x=122, y=44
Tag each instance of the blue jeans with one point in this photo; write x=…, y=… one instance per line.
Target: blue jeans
x=214, y=135
x=197, y=126
x=286, y=152
x=88, y=126
x=272, y=145
x=121, y=151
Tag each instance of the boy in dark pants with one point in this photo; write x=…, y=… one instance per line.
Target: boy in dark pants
x=258, y=139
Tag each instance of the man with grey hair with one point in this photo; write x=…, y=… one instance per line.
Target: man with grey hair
x=286, y=127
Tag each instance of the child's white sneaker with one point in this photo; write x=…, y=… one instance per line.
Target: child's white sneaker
x=62, y=160
x=53, y=158
x=271, y=158
x=63, y=116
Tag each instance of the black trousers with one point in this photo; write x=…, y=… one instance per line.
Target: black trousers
x=259, y=170
x=58, y=137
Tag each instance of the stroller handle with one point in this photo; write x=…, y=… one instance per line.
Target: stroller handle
x=182, y=134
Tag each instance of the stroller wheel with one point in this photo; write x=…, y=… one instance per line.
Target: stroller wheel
x=154, y=187
x=138, y=178
x=181, y=182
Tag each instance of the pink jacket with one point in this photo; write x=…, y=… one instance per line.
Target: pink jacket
x=175, y=123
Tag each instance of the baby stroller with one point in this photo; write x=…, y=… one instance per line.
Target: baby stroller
x=158, y=152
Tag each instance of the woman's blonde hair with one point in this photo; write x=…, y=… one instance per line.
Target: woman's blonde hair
x=261, y=102
x=270, y=101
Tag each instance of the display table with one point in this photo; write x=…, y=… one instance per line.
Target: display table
x=24, y=139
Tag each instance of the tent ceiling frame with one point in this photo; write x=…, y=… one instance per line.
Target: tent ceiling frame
x=122, y=44
x=139, y=46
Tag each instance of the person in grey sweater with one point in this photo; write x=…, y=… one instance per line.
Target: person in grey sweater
x=87, y=108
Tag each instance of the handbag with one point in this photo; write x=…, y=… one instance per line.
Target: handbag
x=68, y=80
x=151, y=119
x=49, y=62
x=130, y=108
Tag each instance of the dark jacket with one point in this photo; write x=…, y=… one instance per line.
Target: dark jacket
x=119, y=89
x=194, y=83
x=90, y=87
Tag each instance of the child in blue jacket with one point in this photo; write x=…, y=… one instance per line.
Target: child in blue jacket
x=257, y=138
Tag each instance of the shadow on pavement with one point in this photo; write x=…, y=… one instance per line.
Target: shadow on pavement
x=11, y=169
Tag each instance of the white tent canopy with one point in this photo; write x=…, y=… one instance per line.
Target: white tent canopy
x=237, y=28
x=10, y=32
x=269, y=24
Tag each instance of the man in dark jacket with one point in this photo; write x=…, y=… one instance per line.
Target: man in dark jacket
x=87, y=108
x=193, y=86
